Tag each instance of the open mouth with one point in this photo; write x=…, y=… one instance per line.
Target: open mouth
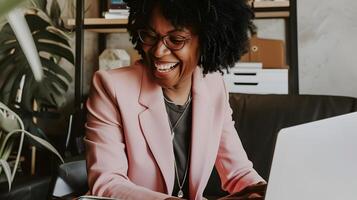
x=165, y=67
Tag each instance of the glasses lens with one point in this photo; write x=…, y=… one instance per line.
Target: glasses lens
x=174, y=42
x=147, y=37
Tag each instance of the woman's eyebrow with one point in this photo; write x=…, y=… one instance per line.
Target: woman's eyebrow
x=176, y=29
x=183, y=30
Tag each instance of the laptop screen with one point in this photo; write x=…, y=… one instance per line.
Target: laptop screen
x=316, y=160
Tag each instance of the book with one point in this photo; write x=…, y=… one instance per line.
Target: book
x=116, y=4
x=123, y=11
x=111, y=15
x=118, y=10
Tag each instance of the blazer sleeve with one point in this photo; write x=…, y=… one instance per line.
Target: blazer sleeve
x=232, y=164
x=107, y=162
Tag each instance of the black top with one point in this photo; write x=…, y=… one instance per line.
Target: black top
x=181, y=142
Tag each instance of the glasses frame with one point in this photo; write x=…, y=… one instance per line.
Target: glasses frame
x=163, y=39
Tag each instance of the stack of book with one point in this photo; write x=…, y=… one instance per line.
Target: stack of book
x=117, y=9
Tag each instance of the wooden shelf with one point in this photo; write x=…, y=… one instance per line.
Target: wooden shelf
x=101, y=25
x=272, y=9
x=263, y=9
x=276, y=14
x=99, y=21
x=272, y=4
x=107, y=30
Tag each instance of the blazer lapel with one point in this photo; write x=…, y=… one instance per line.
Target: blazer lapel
x=201, y=116
x=154, y=123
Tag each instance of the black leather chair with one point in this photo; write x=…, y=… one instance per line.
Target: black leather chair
x=26, y=187
x=70, y=181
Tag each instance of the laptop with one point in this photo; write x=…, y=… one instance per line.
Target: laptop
x=316, y=160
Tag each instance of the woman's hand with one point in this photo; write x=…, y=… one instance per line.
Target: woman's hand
x=253, y=192
x=255, y=196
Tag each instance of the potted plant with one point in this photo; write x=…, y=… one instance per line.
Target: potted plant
x=22, y=97
x=11, y=126
x=53, y=45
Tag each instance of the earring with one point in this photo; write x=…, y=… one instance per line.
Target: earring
x=201, y=60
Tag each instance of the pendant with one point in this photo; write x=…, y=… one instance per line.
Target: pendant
x=180, y=194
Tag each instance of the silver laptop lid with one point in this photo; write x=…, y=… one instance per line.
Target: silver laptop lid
x=316, y=160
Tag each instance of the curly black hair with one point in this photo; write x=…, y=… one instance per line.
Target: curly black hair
x=222, y=26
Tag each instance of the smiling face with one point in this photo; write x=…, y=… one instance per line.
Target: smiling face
x=171, y=68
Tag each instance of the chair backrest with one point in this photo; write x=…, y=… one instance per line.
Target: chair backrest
x=71, y=179
x=259, y=118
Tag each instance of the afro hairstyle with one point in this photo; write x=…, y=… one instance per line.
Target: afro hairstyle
x=222, y=26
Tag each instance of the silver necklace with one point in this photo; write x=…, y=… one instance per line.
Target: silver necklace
x=180, y=184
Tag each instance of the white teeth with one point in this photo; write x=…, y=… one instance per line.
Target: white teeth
x=165, y=67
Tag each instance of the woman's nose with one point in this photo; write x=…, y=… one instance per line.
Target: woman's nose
x=160, y=50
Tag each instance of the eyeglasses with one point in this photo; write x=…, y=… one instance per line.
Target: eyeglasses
x=171, y=41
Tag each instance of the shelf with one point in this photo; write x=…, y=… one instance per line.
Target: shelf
x=276, y=14
x=100, y=21
x=263, y=9
x=272, y=9
x=101, y=25
x=272, y=4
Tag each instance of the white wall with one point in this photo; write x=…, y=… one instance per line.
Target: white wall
x=327, y=41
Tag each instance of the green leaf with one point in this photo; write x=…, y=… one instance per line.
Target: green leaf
x=46, y=144
x=56, y=50
x=6, y=63
x=30, y=87
x=55, y=11
x=5, y=89
x=5, y=165
x=4, y=37
x=27, y=94
x=43, y=95
x=7, y=29
x=51, y=90
x=56, y=80
x=40, y=133
x=9, y=88
x=6, y=148
x=52, y=66
x=5, y=48
x=23, y=133
x=36, y=23
x=41, y=4
x=47, y=35
x=8, y=124
x=6, y=33
x=55, y=89
x=49, y=40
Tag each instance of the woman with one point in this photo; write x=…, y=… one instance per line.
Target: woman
x=156, y=129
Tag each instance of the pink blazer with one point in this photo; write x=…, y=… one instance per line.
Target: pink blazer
x=129, y=148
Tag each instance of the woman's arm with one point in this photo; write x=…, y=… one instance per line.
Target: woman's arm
x=234, y=168
x=106, y=156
